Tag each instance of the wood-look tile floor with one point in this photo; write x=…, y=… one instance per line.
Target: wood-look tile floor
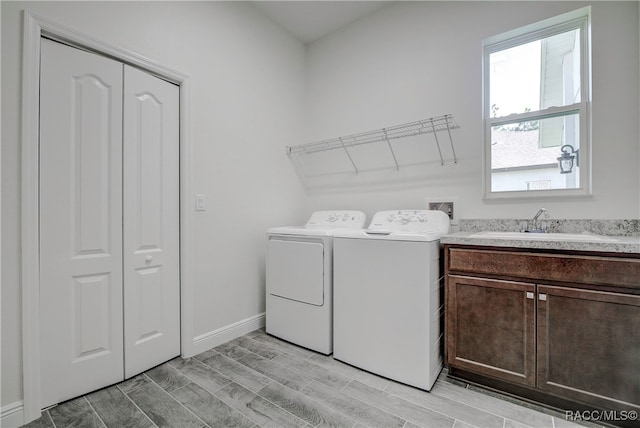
x=259, y=381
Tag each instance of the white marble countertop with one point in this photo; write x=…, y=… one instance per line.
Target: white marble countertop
x=617, y=244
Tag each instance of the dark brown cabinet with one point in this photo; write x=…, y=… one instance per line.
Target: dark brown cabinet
x=491, y=328
x=589, y=346
x=557, y=326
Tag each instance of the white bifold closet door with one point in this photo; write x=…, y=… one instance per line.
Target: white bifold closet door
x=109, y=222
x=150, y=220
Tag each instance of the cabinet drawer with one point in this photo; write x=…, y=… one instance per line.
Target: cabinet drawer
x=590, y=270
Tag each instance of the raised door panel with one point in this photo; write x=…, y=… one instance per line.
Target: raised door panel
x=589, y=347
x=80, y=222
x=490, y=328
x=151, y=221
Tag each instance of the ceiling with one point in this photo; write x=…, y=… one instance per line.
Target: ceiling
x=310, y=20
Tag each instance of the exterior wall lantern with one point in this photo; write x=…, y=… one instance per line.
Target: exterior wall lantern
x=566, y=160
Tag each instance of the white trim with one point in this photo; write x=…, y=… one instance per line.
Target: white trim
x=218, y=337
x=30, y=257
x=12, y=415
x=559, y=21
x=186, y=224
x=36, y=27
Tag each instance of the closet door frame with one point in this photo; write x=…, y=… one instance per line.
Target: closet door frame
x=36, y=28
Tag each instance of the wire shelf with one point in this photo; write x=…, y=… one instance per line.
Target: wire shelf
x=425, y=126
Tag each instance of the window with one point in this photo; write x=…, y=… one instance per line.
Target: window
x=536, y=109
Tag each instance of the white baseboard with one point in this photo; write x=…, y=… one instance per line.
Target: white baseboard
x=218, y=337
x=12, y=415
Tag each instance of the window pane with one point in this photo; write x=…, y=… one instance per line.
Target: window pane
x=515, y=79
x=524, y=155
x=561, y=70
x=535, y=75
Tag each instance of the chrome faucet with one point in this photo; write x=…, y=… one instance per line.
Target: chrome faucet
x=540, y=211
x=533, y=225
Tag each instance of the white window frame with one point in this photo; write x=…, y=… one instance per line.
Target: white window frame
x=581, y=19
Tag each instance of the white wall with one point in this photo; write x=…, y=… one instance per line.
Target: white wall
x=247, y=88
x=414, y=60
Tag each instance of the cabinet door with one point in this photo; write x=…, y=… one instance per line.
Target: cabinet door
x=589, y=346
x=491, y=328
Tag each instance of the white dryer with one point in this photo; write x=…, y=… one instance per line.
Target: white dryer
x=387, y=288
x=299, y=276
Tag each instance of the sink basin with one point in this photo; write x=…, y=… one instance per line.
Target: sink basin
x=581, y=237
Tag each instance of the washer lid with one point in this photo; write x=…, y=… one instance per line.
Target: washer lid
x=324, y=223
x=336, y=220
x=404, y=225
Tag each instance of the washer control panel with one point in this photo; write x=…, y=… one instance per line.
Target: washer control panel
x=410, y=221
x=337, y=219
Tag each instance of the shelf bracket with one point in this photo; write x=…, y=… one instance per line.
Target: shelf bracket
x=455, y=158
x=349, y=155
x=435, y=134
x=386, y=137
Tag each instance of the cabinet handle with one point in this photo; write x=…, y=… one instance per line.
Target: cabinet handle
x=529, y=295
x=542, y=296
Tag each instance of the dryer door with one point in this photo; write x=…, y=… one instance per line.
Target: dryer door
x=295, y=270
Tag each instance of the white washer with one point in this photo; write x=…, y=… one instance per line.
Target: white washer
x=387, y=288
x=299, y=289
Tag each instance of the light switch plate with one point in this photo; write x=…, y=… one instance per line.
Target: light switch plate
x=200, y=206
